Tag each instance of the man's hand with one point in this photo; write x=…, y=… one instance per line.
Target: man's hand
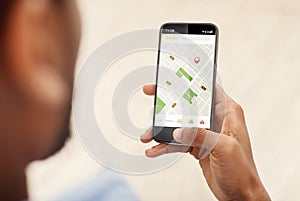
x=229, y=169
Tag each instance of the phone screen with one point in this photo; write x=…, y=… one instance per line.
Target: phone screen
x=185, y=79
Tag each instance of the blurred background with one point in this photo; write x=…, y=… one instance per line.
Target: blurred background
x=259, y=64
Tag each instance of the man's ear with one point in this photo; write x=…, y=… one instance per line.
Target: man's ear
x=31, y=52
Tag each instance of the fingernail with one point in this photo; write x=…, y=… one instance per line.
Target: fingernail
x=177, y=134
x=150, y=151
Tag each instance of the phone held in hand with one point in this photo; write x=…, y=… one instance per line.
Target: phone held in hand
x=185, y=78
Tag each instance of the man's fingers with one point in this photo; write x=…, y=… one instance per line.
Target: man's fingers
x=147, y=136
x=162, y=149
x=149, y=89
x=190, y=136
x=200, y=139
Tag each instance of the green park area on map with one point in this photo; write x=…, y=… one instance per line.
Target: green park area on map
x=181, y=72
x=189, y=95
x=159, y=105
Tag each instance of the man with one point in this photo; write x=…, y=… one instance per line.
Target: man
x=40, y=41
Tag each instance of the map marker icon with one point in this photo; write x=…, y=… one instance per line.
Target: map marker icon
x=197, y=60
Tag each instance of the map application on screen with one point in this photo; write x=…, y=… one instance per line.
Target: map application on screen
x=185, y=80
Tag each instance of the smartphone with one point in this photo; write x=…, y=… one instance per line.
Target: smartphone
x=185, y=78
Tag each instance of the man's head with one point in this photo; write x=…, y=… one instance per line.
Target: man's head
x=39, y=44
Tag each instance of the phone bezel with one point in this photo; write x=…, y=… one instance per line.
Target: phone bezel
x=166, y=133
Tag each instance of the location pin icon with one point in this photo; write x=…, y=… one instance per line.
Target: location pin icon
x=197, y=60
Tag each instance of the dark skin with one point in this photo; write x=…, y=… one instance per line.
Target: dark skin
x=41, y=39
x=229, y=169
